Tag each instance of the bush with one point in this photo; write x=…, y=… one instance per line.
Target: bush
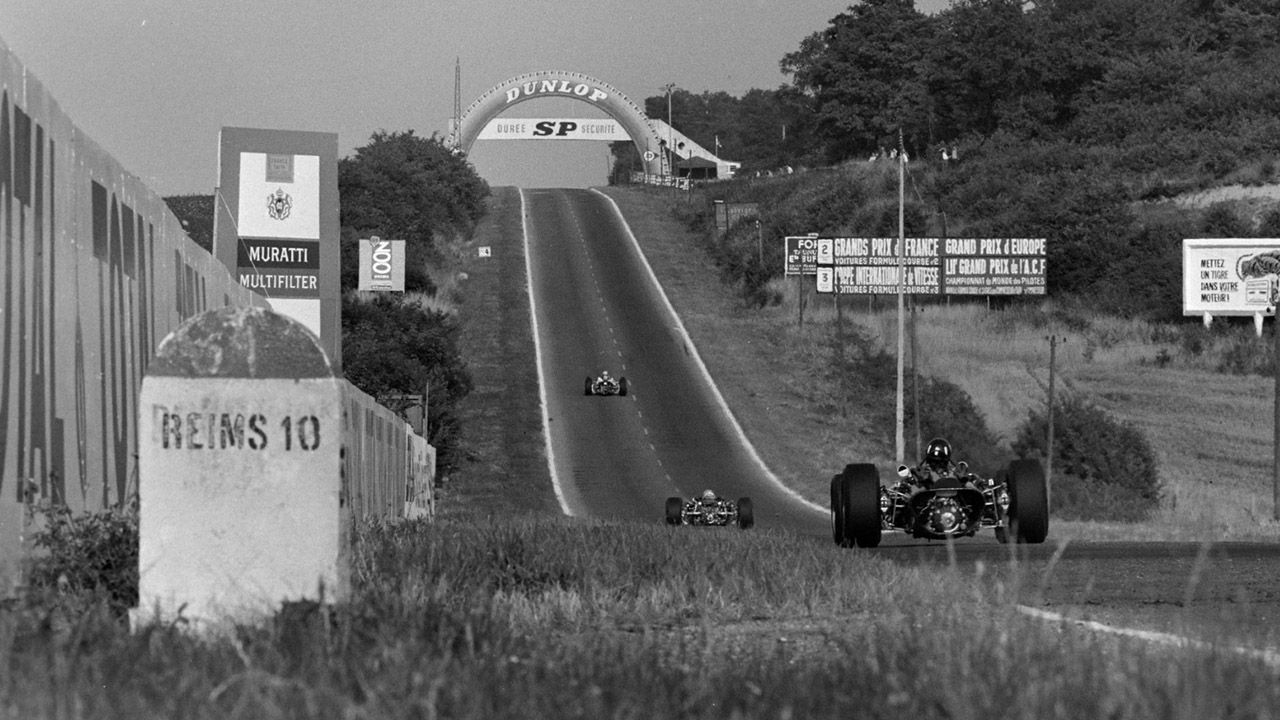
x=1104, y=469
x=89, y=557
x=948, y=412
x=390, y=347
x=865, y=381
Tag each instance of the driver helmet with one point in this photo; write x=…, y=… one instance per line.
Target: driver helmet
x=938, y=455
x=604, y=374
x=708, y=496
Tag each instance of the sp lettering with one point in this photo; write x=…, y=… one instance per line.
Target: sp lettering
x=554, y=128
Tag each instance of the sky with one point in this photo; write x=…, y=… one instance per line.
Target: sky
x=153, y=81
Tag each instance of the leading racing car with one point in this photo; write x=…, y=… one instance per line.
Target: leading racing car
x=939, y=501
x=710, y=509
x=605, y=384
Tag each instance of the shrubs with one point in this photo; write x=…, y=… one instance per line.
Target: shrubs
x=1104, y=469
x=88, y=558
x=392, y=346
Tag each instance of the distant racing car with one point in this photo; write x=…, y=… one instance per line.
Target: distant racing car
x=710, y=509
x=948, y=504
x=604, y=384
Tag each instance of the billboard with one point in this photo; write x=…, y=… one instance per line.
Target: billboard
x=729, y=214
x=931, y=266
x=605, y=129
x=381, y=264
x=1230, y=276
x=276, y=223
x=801, y=255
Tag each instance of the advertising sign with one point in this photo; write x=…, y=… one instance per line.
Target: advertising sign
x=728, y=214
x=1230, y=276
x=554, y=129
x=932, y=266
x=279, y=268
x=276, y=223
x=802, y=255
x=381, y=264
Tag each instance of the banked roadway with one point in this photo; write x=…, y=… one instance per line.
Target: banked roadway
x=597, y=306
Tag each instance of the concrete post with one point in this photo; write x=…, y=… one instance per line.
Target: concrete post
x=240, y=435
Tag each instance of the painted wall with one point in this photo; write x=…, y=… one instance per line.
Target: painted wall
x=94, y=271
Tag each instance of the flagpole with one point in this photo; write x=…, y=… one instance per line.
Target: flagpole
x=899, y=432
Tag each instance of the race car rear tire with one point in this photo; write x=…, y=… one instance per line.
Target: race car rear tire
x=586, y=390
x=837, y=512
x=622, y=386
x=675, y=508
x=860, y=493
x=1028, y=501
x=746, y=514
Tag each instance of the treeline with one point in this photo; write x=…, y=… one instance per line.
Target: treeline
x=1061, y=119
x=404, y=187
x=1161, y=83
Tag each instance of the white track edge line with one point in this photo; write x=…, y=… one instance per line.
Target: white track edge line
x=693, y=349
x=537, y=351
x=1269, y=657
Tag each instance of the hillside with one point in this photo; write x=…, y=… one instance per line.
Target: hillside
x=1212, y=446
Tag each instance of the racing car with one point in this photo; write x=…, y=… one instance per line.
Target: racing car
x=710, y=509
x=957, y=503
x=605, y=384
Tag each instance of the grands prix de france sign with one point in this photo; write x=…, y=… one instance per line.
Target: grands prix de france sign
x=560, y=84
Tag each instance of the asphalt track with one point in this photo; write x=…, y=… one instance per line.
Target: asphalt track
x=596, y=306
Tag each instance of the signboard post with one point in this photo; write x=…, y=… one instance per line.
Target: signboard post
x=800, y=258
x=1238, y=277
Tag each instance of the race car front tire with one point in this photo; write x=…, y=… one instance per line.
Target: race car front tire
x=587, y=388
x=675, y=509
x=746, y=514
x=622, y=386
x=1028, y=501
x=860, y=493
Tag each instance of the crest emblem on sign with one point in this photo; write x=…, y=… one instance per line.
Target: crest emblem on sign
x=279, y=204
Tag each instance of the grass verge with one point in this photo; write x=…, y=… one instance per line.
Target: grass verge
x=562, y=618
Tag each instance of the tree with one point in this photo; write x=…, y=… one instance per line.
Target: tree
x=391, y=347
x=981, y=71
x=862, y=77
x=405, y=187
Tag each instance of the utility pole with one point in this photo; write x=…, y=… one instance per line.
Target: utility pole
x=457, y=101
x=671, y=175
x=899, y=439
x=1048, y=459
